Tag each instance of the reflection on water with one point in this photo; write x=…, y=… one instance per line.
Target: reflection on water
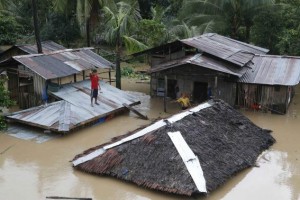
x=29, y=170
x=272, y=175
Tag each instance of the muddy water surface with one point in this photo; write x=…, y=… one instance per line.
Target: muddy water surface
x=29, y=170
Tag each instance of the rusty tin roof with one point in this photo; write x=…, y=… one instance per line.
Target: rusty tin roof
x=47, y=46
x=228, y=49
x=74, y=110
x=273, y=70
x=63, y=63
x=201, y=61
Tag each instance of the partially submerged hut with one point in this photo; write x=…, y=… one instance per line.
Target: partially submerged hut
x=31, y=75
x=73, y=109
x=192, y=152
x=269, y=83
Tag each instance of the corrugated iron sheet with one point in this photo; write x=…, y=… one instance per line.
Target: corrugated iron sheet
x=47, y=47
x=273, y=70
x=63, y=63
x=77, y=101
x=201, y=61
x=225, y=48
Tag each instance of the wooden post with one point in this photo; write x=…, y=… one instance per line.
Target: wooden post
x=83, y=74
x=165, y=94
x=109, y=75
x=19, y=94
x=169, y=52
x=216, y=81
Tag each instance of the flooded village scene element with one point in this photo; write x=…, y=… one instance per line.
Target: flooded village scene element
x=149, y=99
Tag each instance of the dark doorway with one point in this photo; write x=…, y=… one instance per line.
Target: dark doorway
x=200, y=91
x=171, y=88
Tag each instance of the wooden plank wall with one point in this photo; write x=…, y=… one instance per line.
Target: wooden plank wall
x=222, y=88
x=266, y=96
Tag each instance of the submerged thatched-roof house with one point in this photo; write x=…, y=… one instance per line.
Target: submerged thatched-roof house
x=192, y=152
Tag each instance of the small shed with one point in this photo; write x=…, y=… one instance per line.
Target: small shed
x=269, y=83
x=32, y=75
x=189, y=153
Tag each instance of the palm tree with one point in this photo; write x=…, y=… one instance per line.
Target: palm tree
x=182, y=30
x=36, y=27
x=122, y=18
x=4, y=4
x=87, y=12
x=226, y=14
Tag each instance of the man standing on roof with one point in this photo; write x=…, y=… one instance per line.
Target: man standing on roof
x=94, y=86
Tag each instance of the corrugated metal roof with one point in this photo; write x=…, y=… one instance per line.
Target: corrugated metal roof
x=47, y=47
x=273, y=70
x=201, y=61
x=63, y=63
x=225, y=48
x=75, y=109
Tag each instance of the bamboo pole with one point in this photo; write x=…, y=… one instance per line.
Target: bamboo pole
x=165, y=94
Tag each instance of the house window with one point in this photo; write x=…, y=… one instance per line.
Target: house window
x=161, y=83
x=160, y=87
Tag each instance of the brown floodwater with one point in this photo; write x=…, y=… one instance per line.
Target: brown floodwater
x=30, y=170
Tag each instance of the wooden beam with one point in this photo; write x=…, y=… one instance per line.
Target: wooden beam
x=74, y=198
x=109, y=74
x=135, y=111
x=165, y=94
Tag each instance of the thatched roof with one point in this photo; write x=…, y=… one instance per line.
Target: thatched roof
x=224, y=141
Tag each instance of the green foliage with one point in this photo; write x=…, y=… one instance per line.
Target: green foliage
x=4, y=99
x=267, y=23
x=289, y=42
x=132, y=45
x=3, y=125
x=9, y=30
x=60, y=28
x=151, y=32
x=127, y=71
x=230, y=17
x=120, y=25
x=289, y=39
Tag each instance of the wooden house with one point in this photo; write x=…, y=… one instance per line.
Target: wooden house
x=212, y=65
x=31, y=75
x=192, y=152
x=208, y=65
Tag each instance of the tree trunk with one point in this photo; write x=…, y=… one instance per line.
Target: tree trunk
x=87, y=29
x=36, y=27
x=145, y=9
x=235, y=27
x=247, y=33
x=118, y=61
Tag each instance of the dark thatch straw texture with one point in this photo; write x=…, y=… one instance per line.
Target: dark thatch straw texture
x=223, y=139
